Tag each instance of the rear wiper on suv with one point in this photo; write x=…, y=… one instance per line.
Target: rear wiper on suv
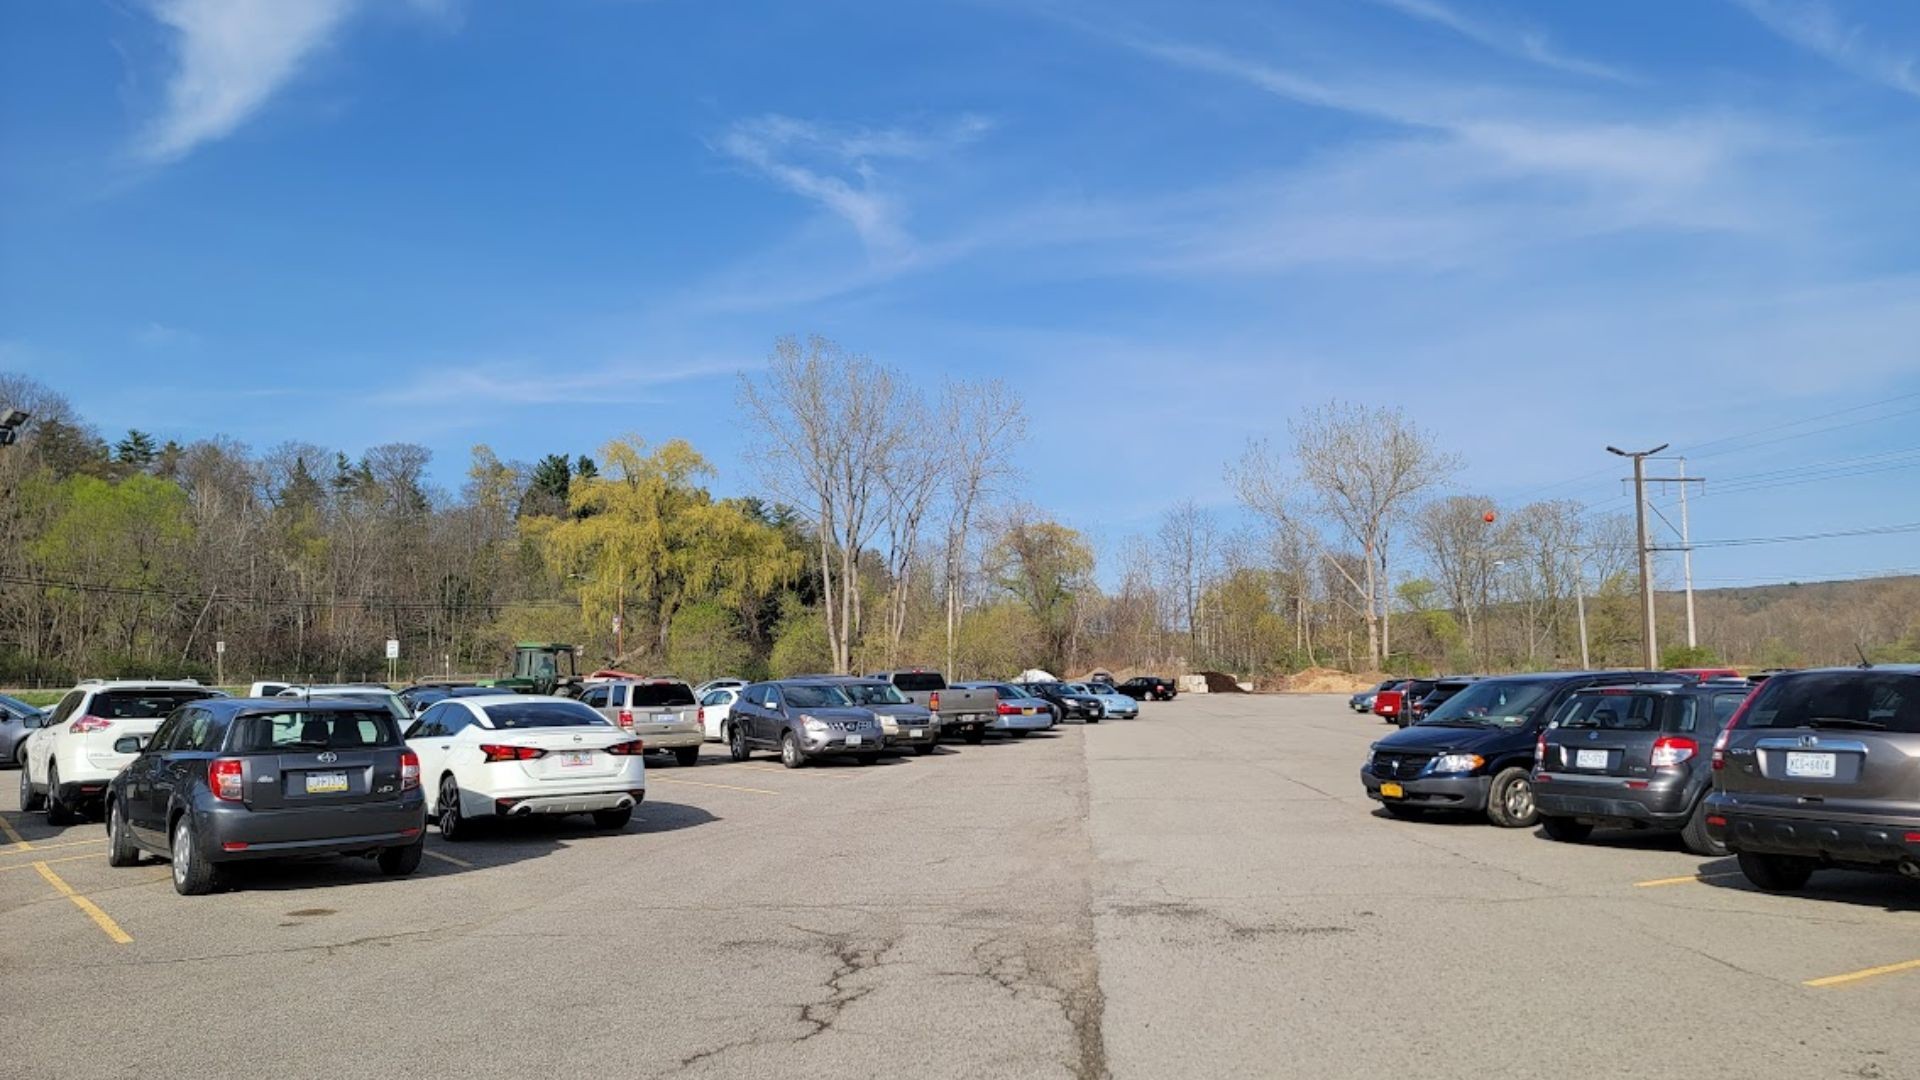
x=1846, y=722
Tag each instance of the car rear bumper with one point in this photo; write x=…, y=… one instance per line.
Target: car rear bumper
x=235, y=832
x=1861, y=842
x=675, y=740
x=1609, y=798
x=1039, y=721
x=1432, y=793
x=580, y=803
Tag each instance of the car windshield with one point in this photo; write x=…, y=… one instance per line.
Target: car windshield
x=1611, y=711
x=920, y=682
x=341, y=729
x=143, y=704
x=1080, y=688
x=538, y=714
x=876, y=693
x=1505, y=702
x=1864, y=700
x=654, y=695
x=815, y=696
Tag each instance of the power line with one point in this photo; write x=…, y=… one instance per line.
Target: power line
x=1750, y=541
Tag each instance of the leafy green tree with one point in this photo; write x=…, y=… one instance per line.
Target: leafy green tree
x=585, y=469
x=136, y=452
x=1048, y=567
x=706, y=642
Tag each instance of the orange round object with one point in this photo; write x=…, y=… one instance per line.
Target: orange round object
x=1487, y=517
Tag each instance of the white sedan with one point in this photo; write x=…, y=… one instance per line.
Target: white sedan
x=516, y=755
x=715, y=706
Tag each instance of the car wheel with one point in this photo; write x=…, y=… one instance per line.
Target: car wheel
x=1695, y=836
x=193, y=874
x=923, y=749
x=20, y=755
x=453, y=825
x=1565, y=829
x=121, y=850
x=1510, y=799
x=737, y=742
x=1775, y=873
x=29, y=798
x=613, y=820
x=687, y=755
x=790, y=754
x=1403, y=811
x=58, y=812
x=975, y=735
x=401, y=861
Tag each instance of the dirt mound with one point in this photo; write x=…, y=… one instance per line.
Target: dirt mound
x=1327, y=681
x=1220, y=682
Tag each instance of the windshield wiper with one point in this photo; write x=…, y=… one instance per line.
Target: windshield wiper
x=1846, y=722
x=1458, y=721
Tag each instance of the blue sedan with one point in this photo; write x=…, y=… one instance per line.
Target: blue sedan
x=1021, y=713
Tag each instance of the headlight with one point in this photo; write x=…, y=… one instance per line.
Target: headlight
x=1456, y=763
x=814, y=725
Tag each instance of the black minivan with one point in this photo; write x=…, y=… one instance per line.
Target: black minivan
x=1474, y=754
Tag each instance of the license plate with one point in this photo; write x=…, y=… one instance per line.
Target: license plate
x=1590, y=759
x=917, y=733
x=853, y=740
x=575, y=758
x=1392, y=791
x=326, y=783
x=1819, y=766
x=1026, y=712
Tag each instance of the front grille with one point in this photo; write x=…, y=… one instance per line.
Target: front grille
x=1391, y=766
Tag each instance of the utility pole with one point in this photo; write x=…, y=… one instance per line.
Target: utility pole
x=1646, y=549
x=1686, y=554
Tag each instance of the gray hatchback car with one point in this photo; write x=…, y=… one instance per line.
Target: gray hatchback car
x=1821, y=769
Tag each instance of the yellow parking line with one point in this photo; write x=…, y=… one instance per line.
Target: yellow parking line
x=100, y=918
x=1690, y=879
x=700, y=783
x=7, y=828
x=798, y=772
x=35, y=865
x=55, y=847
x=1866, y=973
x=462, y=863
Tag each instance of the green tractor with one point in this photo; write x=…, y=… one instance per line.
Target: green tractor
x=541, y=667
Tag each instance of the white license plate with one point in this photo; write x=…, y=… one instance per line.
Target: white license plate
x=575, y=758
x=1819, y=766
x=1026, y=712
x=1589, y=759
x=917, y=733
x=326, y=783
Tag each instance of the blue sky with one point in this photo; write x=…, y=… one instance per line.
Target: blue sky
x=1539, y=228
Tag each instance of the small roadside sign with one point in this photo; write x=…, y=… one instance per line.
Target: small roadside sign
x=393, y=649
x=220, y=647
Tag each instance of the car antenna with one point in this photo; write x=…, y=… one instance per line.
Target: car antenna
x=1864, y=662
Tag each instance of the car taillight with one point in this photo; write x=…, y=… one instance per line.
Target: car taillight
x=89, y=723
x=223, y=776
x=1005, y=709
x=1726, y=733
x=1540, y=749
x=409, y=770
x=631, y=748
x=1672, y=750
x=700, y=715
x=933, y=702
x=496, y=752
x=626, y=718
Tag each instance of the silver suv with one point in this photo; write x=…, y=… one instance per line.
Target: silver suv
x=1821, y=769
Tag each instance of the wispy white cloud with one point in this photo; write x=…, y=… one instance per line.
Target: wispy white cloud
x=836, y=168
x=1816, y=27
x=231, y=56
x=1526, y=43
x=158, y=335
x=536, y=383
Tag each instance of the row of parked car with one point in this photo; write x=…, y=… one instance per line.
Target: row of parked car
x=185, y=772
x=1792, y=772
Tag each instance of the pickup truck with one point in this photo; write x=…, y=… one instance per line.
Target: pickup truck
x=967, y=712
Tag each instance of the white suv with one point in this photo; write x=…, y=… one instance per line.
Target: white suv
x=73, y=754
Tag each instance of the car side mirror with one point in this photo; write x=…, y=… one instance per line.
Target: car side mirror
x=33, y=720
x=129, y=744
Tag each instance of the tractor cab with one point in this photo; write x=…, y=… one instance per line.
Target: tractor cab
x=542, y=668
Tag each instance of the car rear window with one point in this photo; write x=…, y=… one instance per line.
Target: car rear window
x=876, y=693
x=1866, y=700
x=538, y=714
x=1612, y=712
x=1508, y=702
x=358, y=729
x=142, y=704
x=657, y=695
x=920, y=682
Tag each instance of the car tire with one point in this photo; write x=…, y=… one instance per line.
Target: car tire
x=923, y=749
x=121, y=850
x=1510, y=799
x=20, y=756
x=1403, y=811
x=1565, y=829
x=737, y=747
x=453, y=824
x=29, y=798
x=1775, y=873
x=58, y=812
x=613, y=820
x=401, y=861
x=193, y=873
x=1695, y=837
x=790, y=753
x=975, y=735
x=688, y=756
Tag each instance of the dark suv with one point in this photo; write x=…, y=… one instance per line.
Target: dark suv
x=1475, y=753
x=1821, y=769
x=225, y=779
x=1633, y=756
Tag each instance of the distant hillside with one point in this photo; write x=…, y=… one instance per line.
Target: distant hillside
x=1819, y=622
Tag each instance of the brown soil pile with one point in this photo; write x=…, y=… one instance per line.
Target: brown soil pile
x=1328, y=681
x=1220, y=683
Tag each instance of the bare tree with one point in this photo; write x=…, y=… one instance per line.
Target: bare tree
x=988, y=421
x=912, y=482
x=1460, y=540
x=1185, y=549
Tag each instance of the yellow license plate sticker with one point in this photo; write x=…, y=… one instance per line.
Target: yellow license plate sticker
x=1392, y=791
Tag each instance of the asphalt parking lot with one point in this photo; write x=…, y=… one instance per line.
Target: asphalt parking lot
x=1203, y=892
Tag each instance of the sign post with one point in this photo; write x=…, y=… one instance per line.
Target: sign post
x=393, y=659
x=219, y=663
